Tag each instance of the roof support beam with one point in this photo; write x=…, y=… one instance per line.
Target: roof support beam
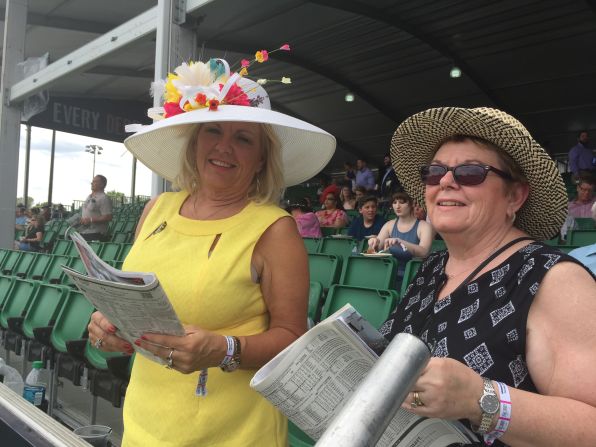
x=395, y=21
x=88, y=55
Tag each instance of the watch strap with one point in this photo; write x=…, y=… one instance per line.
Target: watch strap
x=487, y=418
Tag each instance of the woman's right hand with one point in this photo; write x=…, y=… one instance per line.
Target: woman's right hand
x=101, y=329
x=373, y=243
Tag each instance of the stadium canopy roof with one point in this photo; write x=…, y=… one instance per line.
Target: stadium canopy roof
x=532, y=58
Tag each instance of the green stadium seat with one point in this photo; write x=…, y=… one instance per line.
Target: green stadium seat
x=62, y=247
x=585, y=223
x=437, y=245
x=124, y=252
x=339, y=246
x=581, y=238
x=328, y=231
x=18, y=300
x=40, y=266
x=54, y=273
x=121, y=237
x=361, y=271
x=311, y=244
x=373, y=304
x=297, y=438
x=411, y=268
x=315, y=295
x=24, y=263
x=5, y=285
x=324, y=268
x=10, y=260
x=110, y=251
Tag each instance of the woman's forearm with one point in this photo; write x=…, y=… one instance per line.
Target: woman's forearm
x=260, y=348
x=538, y=420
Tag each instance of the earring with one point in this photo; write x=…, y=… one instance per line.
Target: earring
x=258, y=185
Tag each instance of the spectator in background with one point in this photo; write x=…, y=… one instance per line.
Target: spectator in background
x=96, y=212
x=21, y=218
x=405, y=237
x=364, y=176
x=359, y=193
x=332, y=216
x=328, y=186
x=368, y=223
x=33, y=235
x=306, y=220
x=388, y=182
x=46, y=213
x=581, y=158
x=419, y=212
x=350, y=174
x=347, y=198
x=582, y=205
x=587, y=255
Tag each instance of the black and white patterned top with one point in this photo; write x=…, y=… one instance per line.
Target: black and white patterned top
x=483, y=323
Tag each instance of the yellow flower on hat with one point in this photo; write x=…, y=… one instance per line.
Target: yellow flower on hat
x=171, y=93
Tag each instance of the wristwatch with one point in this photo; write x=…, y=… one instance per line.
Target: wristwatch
x=489, y=404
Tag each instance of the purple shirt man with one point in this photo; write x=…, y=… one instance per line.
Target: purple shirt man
x=364, y=176
x=581, y=156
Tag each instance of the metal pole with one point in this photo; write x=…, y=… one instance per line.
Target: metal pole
x=94, y=152
x=133, y=180
x=27, y=154
x=364, y=418
x=50, y=187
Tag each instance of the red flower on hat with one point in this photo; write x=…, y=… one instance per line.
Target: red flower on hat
x=285, y=47
x=236, y=96
x=213, y=104
x=201, y=99
x=244, y=63
x=171, y=109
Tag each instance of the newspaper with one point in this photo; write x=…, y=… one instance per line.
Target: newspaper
x=312, y=378
x=134, y=302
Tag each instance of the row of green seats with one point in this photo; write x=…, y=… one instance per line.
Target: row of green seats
x=107, y=251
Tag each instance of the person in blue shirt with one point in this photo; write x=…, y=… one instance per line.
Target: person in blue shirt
x=364, y=176
x=368, y=223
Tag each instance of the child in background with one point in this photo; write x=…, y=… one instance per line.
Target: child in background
x=368, y=223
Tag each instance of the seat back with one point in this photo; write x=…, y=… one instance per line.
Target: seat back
x=44, y=308
x=324, y=268
x=437, y=245
x=376, y=273
x=311, y=244
x=10, y=260
x=581, y=238
x=54, y=272
x=62, y=247
x=411, y=268
x=315, y=294
x=585, y=223
x=5, y=285
x=40, y=266
x=72, y=320
x=76, y=263
x=110, y=251
x=18, y=300
x=121, y=237
x=328, y=231
x=124, y=252
x=339, y=246
x=373, y=304
x=24, y=263
x=49, y=237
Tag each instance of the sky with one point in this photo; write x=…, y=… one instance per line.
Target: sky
x=73, y=167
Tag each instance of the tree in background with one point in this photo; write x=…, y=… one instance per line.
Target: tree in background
x=29, y=203
x=117, y=198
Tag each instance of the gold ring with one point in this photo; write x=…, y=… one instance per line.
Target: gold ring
x=417, y=402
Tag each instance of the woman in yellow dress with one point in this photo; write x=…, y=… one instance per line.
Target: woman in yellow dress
x=230, y=260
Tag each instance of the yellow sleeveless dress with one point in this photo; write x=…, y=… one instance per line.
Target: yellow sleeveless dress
x=217, y=294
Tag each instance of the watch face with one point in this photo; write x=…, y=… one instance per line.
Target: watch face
x=489, y=403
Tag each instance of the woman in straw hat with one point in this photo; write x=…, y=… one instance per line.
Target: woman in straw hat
x=510, y=318
x=215, y=246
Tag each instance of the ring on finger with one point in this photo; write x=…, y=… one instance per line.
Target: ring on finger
x=170, y=360
x=417, y=402
x=98, y=343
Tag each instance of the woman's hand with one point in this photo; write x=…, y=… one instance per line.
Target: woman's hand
x=198, y=349
x=390, y=242
x=373, y=243
x=101, y=329
x=449, y=390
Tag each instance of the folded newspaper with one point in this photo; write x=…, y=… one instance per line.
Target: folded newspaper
x=313, y=378
x=134, y=302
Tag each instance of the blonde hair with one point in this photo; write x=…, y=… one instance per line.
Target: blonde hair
x=267, y=185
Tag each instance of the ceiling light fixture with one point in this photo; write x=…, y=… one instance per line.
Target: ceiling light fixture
x=455, y=72
x=349, y=97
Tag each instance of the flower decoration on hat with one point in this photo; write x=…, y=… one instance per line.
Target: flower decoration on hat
x=198, y=85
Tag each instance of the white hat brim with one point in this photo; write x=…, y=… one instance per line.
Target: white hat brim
x=305, y=149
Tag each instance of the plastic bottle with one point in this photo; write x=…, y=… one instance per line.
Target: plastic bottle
x=34, y=390
x=12, y=378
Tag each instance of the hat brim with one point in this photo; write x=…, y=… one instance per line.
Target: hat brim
x=305, y=149
x=416, y=139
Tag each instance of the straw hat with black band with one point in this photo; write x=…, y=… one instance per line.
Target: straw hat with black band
x=416, y=139
x=210, y=92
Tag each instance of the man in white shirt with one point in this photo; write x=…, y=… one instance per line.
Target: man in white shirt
x=96, y=212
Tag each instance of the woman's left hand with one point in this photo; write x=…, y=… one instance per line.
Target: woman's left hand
x=448, y=389
x=198, y=349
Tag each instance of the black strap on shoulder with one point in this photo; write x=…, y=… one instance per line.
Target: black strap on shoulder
x=494, y=255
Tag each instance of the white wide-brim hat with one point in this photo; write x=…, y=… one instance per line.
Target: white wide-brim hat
x=417, y=138
x=305, y=149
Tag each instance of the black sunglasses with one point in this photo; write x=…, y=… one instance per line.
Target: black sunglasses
x=466, y=175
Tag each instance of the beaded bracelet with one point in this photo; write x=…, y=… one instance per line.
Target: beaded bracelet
x=504, y=415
